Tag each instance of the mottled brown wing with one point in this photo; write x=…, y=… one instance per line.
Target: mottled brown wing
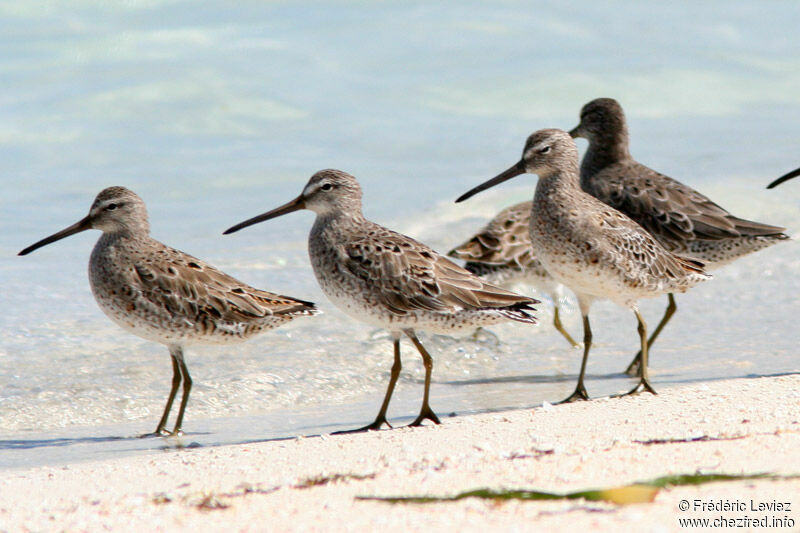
x=635, y=253
x=670, y=210
x=406, y=276
x=504, y=241
x=189, y=287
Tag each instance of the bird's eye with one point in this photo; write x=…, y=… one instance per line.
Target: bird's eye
x=327, y=187
x=543, y=150
x=111, y=207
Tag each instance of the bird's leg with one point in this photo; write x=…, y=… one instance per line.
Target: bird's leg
x=633, y=368
x=425, y=412
x=560, y=328
x=580, y=390
x=380, y=420
x=176, y=381
x=187, y=387
x=644, y=380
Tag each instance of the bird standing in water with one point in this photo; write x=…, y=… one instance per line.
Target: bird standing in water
x=683, y=220
x=591, y=247
x=389, y=280
x=164, y=295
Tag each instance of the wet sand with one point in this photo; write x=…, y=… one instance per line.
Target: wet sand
x=742, y=426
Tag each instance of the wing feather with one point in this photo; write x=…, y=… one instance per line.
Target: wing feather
x=405, y=275
x=190, y=288
x=670, y=210
x=504, y=242
x=636, y=254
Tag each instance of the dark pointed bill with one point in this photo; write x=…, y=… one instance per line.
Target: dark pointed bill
x=575, y=132
x=79, y=226
x=516, y=170
x=295, y=205
x=785, y=177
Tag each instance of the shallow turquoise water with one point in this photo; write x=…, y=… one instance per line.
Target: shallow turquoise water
x=216, y=113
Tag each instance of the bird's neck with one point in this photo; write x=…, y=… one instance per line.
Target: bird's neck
x=611, y=149
x=338, y=222
x=557, y=184
x=113, y=238
x=563, y=174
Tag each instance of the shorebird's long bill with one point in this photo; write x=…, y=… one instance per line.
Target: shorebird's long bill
x=786, y=177
x=79, y=226
x=516, y=170
x=295, y=205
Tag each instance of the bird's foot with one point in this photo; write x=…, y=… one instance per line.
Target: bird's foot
x=425, y=414
x=580, y=394
x=375, y=426
x=643, y=386
x=159, y=432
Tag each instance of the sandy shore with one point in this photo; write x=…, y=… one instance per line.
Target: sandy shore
x=742, y=426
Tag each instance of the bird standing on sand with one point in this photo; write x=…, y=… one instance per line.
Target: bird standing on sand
x=389, y=280
x=164, y=295
x=684, y=221
x=591, y=247
x=501, y=253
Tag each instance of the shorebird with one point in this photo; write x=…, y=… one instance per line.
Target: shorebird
x=164, y=295
x=683, y=220
x=501, y=253
x=595, y=250
x=786, y=177
x=389, y=280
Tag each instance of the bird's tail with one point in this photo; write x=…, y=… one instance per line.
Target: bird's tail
x=520, y=312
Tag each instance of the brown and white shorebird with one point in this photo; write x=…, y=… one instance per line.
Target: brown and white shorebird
x=501, y=253
x=389, y=280
x=786, y=177
x=593, y=249
x=164, y=295
x=683, y=220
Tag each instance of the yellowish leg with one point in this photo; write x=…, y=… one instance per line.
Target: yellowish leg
x=644, y=380
x=560, y=328
x=580, y=390
x=633, y=368
x=380, y=420
x=425, y=412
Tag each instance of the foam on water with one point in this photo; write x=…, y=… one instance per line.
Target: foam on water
x=214, y=115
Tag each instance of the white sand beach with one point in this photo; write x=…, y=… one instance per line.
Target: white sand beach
x=215, y=112
x=742, y=426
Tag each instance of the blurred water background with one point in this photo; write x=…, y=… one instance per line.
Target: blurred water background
x=216, y=111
